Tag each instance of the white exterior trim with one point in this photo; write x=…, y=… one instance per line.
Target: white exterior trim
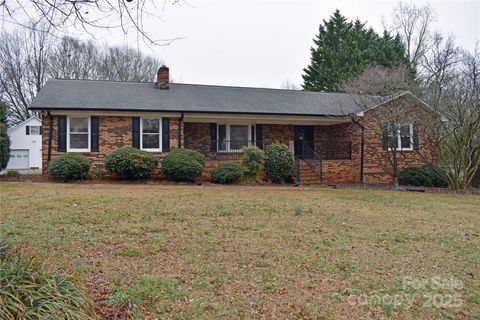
x=160, y=134
x=89, y=134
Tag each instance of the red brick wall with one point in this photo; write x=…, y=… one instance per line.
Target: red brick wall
x=374, y=171
x=114, y=132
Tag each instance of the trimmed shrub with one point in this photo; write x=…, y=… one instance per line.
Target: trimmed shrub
x=69, y=167
x=13, y=174
x=29, y=291
x=278, y=162
x=252, y=161
x=424, y=176
x=131, y=163
x=183, y=165
x=226, y=173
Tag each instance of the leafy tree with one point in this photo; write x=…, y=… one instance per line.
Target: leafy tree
x=4, y=139
x=345, y=48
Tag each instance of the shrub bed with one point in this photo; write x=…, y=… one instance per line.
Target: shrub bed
x=131, y=163
x=278, y=162
x=183, y=165
x=69, y=167
x=424, y=177
x=29, y=291
x=226, y=173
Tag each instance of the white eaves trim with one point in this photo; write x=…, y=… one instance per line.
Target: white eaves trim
x=22, y=123
x=362, y=113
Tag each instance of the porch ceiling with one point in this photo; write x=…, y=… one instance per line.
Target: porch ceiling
x=265, y=119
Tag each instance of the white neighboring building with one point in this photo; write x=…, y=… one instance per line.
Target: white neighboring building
x=26, y=146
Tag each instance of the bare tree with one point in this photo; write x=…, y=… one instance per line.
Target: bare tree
x=439, y=68
x=23, y=70
x=287, y=84
x=414, y=25
x=29, y=57
x=89, y=15
x=375, y=86
x=458, y=124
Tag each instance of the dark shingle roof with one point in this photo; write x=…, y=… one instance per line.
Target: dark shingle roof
x=60, y=94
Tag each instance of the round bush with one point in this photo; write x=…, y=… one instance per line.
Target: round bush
x=13, y=174
x=226, y=173
x=68, y=167
x=424, y=176
x=131, y=163
x=183, y=165
x=278, y=162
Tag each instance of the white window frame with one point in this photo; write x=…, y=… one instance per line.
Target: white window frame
x=399, y=138
x=160, y=136
x=251, y=140
x=89, y=135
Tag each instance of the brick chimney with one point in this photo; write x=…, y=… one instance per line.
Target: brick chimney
x=163, y=77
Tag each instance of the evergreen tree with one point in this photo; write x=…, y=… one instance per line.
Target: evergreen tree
x=344, y=48
x=4, y=139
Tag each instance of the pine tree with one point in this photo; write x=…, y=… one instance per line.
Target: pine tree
x=344, y=48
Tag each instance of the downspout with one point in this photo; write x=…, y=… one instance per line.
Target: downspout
x=180, y=127
x=50, y=136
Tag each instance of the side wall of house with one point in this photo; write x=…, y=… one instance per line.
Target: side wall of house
x=114, y=132
x=377, y=166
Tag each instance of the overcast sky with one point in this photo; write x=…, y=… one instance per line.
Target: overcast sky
x=264, y=43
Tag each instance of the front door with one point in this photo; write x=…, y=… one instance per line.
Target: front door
x=304, y=142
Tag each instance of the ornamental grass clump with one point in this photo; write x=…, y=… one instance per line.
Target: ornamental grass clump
x=29, y=291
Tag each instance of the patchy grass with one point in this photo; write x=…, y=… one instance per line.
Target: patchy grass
x=185, y=252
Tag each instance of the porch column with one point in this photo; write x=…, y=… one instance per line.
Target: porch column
x=181, y=132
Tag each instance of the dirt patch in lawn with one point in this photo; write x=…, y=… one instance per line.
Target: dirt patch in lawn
x=183, y=252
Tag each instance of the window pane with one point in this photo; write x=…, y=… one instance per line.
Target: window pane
x=405, y=130
x=78, y=124
x=393, y=142
x=222, y=136
x=239, y=133
x=406, y=143
x=150, y=141
x=238, y=136
x=151, y=126
x=78, y=141
x=34, y=130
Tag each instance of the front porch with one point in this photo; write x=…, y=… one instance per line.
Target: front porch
x=324, y=153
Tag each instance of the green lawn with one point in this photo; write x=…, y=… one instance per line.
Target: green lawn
x=197, y=252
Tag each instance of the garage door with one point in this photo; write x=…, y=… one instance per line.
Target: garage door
x=18, y=159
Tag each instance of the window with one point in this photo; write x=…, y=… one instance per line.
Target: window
x=78, y=137
x=151, y=134
x=232, y=137
x=34, y=130
x=401, y=138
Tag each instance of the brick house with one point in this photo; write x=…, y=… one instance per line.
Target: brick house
x=96, y=117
